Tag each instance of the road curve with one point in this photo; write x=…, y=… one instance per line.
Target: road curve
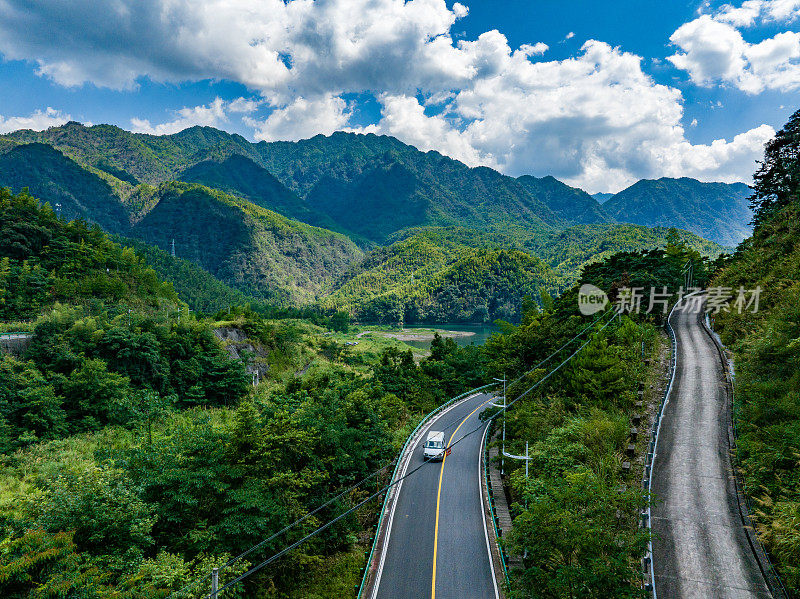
x=700, y=549
x=463, y=565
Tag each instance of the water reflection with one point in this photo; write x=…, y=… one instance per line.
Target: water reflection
x=481, y=333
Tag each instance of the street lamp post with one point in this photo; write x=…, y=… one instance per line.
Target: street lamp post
x=525, y=457
x=503, y=452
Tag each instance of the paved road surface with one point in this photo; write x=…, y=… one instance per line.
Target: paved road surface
x=699, y=545
x=463, y=568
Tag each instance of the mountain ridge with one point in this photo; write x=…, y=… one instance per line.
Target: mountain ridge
x=717, y=211
x=280, y=221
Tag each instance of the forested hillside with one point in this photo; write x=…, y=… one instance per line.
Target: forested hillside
x=715, y=211
x=44, y=260
x=77, y=193
x=376, y=185
x=570, y=250
x=134, y=453
x=256, y=250
x=201, y=291
x=134, y=157
x=574, y=205
x=286, y=223
x=441, y=275
x=241, y=176
x=767, y=354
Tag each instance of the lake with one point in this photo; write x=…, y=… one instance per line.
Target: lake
x=482, y=333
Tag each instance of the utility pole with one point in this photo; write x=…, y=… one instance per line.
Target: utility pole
x=688, y=268
x=503, y=452
x=214, y=582
x=527, y=458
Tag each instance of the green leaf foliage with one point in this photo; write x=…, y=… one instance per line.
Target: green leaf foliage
x=767, y=402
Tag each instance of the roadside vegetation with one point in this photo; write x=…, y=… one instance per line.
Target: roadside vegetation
x=576, y=524
x=766, y=350
x=135, y=454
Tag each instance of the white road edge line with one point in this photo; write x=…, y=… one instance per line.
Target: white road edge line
x=483, y=511
x=407, y=458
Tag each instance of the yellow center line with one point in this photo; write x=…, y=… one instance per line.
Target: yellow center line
x=439, y=495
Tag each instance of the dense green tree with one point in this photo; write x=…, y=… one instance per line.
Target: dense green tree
x=39, y=565
x=777, y=181
x=103, y=509
x=579, y=548
x=30, y=410
x=94, y=396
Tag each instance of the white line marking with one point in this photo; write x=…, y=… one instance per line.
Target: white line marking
x=483, y=511
x=407, y=458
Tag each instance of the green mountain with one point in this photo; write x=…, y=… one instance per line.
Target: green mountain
x=716, y=211
x=570, y=250
x=573, y=205
x=233, y=214
x=241, y=176
x=441, y=275
x=366, y=185
x=253, y=249
x=134, y=157
x=375, y=185
x=73, y=190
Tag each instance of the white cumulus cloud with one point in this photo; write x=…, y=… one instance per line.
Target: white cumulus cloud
x=712, y=49
x=595, y=119
x=213, y=114
x=302, y=118
x=38, y=120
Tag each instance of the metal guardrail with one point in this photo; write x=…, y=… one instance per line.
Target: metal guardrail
x=409, y=439
x=491, y=509
x=647, y=565
x=16, y=334
x=771, y=575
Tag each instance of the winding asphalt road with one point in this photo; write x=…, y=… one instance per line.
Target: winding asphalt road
x=437, y=545
x=700, y=549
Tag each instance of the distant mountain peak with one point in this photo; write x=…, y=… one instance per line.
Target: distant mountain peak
x=717, y=211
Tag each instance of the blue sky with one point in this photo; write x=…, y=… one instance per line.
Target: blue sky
x=599, y=94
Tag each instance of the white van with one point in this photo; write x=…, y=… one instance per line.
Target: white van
x=434, y=446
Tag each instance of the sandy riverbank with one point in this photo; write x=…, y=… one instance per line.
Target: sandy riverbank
x=424, y=334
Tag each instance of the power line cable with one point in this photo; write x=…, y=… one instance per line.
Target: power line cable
x=286, y=528
x=550, y=357
x=300, y=520
x=330, y=523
